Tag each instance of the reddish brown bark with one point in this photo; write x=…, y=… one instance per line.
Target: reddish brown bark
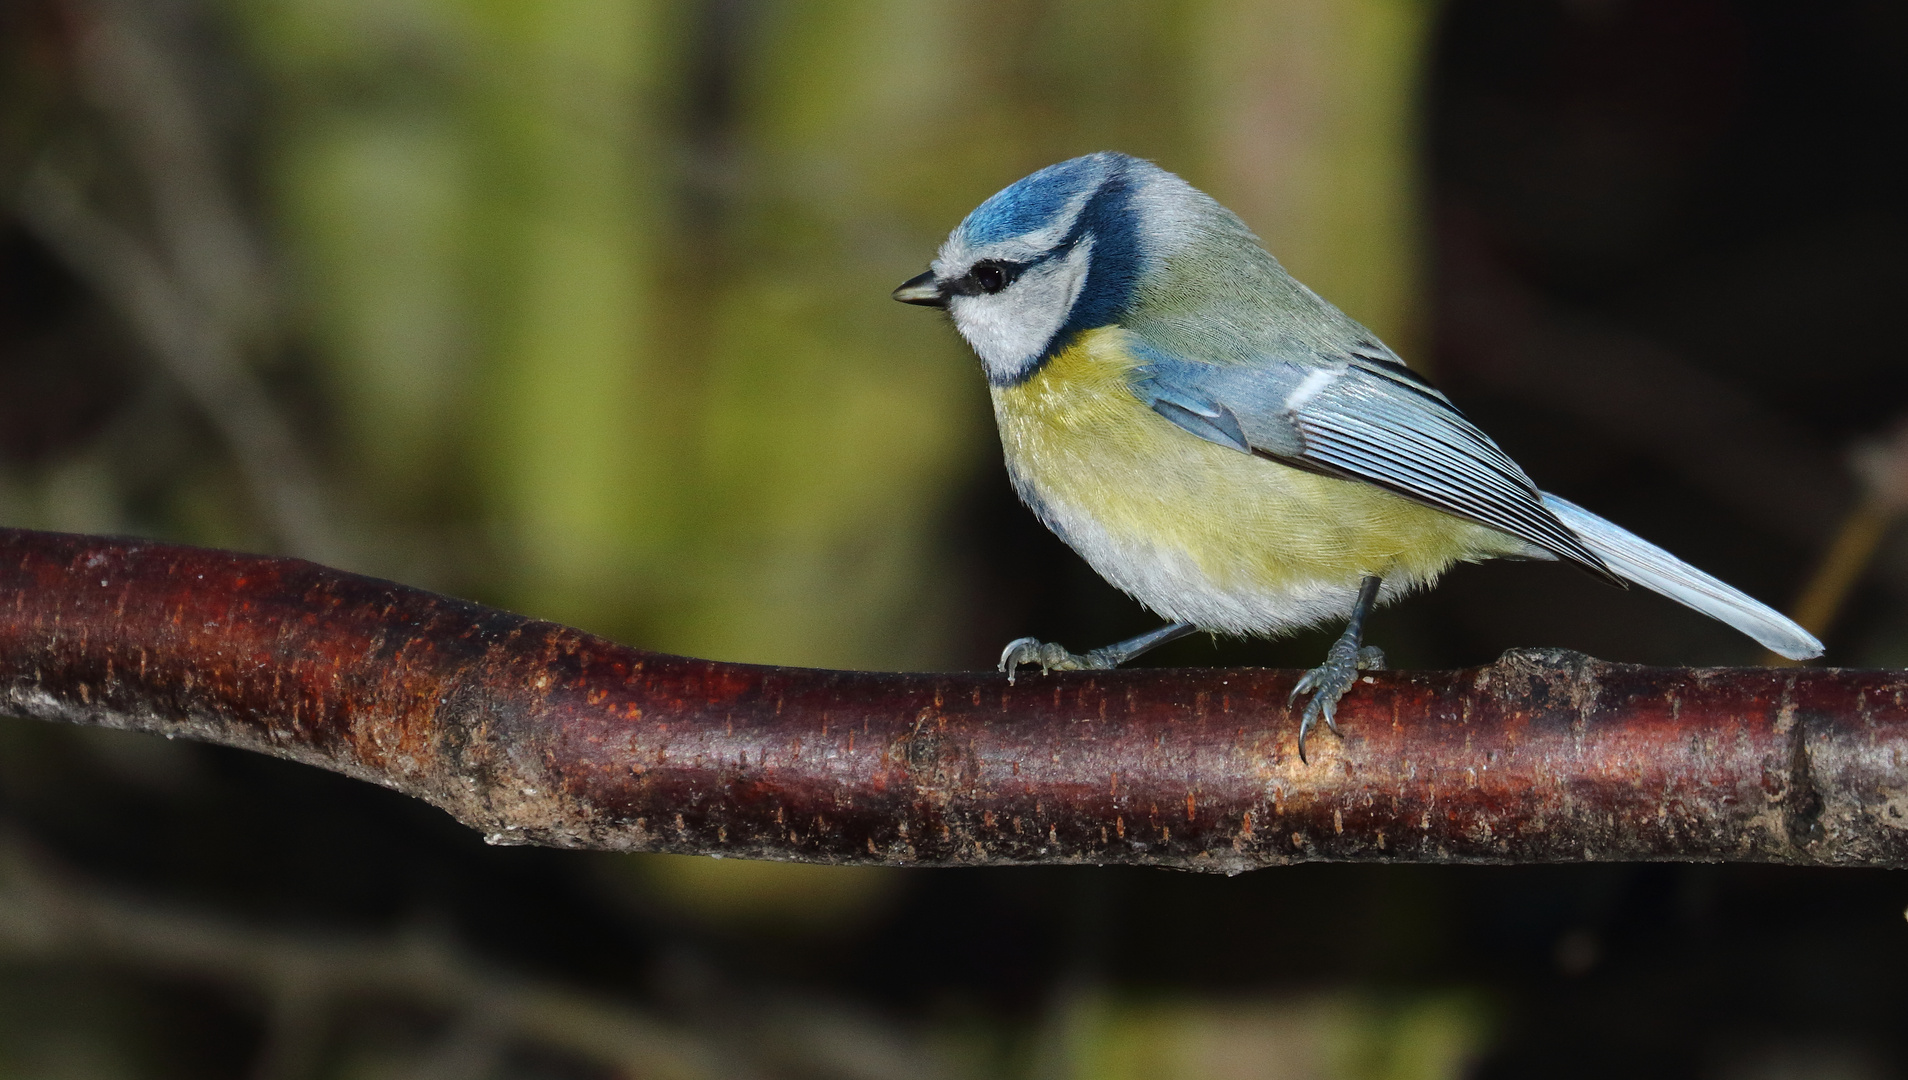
x=536, y=733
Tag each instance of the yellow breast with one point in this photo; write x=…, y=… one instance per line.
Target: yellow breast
x=1202, y=532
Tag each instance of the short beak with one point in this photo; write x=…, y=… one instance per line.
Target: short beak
x=922, y=290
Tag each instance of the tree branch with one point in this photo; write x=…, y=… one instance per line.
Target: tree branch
x=536, y=733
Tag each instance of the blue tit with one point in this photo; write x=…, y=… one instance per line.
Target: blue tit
x=1221, y=443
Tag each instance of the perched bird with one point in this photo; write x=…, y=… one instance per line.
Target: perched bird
x=1221, y=443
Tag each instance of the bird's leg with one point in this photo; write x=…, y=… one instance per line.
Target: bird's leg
x=1346, y=658
x=1052, y=657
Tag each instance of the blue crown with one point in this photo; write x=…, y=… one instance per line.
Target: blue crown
x=1035, y=200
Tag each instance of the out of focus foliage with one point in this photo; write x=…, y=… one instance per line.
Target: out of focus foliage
x=581, y=307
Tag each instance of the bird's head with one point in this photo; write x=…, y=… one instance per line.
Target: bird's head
x=1064, y=250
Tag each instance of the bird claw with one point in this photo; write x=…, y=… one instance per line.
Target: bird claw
x=1329, y=681
x=1049, y=656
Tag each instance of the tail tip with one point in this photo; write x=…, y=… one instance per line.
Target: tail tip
x=1800, y=645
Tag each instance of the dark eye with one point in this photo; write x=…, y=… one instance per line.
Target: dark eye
x=990, y=277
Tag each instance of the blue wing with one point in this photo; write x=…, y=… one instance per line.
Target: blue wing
x=1360, y=416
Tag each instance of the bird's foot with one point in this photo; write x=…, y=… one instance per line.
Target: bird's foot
x=1329, y=681
x=1050, y=657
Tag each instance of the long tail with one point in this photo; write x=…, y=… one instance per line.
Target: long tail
x=1638, y=560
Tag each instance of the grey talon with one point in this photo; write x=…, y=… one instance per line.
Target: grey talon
x=1052, y=657
x=1329, y=681
x=1019, y=651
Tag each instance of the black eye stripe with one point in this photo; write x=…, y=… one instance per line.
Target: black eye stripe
x=987, y=277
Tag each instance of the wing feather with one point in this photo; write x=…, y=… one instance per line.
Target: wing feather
x=1372, y=420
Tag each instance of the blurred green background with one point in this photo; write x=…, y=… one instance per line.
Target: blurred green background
x=581, y=308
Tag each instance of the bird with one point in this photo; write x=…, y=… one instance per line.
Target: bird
x=1225, y=446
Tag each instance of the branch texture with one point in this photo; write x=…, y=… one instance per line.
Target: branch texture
x=536, y=733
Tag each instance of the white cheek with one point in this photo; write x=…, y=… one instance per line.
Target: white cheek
x=1011, y=329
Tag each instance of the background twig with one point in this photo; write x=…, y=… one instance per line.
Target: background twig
x=46, y=912
x=195, y=293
